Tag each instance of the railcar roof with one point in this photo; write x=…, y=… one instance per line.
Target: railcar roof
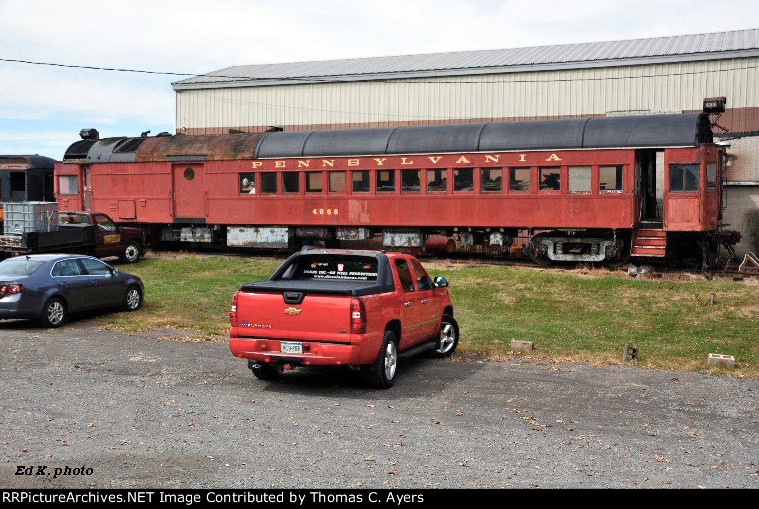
x=639, y=131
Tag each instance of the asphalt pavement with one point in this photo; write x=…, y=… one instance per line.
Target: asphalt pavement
x=93, y=408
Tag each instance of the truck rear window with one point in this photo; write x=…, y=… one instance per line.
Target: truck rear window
x=347, y=268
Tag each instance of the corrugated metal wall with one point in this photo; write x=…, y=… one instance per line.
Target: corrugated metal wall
x=530, y=95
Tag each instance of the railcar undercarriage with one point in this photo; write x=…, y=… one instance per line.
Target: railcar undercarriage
x=614, y=247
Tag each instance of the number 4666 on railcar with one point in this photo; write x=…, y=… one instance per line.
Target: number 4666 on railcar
x=587, y=190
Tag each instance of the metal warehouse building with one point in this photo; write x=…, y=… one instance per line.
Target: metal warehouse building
x=656, y=75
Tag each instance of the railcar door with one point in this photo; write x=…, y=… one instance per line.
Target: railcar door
x=190, y=195
x=649, y=184
x=712, y=200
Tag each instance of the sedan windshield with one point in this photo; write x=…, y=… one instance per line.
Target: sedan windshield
x=19, y=267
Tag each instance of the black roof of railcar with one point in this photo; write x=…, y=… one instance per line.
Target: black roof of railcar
x=26, y=161
x=602, y=132
x=675, y=130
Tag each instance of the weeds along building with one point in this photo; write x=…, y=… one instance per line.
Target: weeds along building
x=639, y=76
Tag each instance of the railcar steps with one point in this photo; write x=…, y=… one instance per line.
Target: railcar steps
x=651, y=242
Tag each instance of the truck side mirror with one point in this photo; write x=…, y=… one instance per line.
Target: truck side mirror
x=441, y=282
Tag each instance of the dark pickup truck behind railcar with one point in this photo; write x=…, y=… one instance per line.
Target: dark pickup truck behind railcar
x=79, y=232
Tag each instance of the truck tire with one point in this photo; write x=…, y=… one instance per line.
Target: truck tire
x=54, y=313
x=265, y=370
x=381, y=374
x=448, y=337
x=132, y=253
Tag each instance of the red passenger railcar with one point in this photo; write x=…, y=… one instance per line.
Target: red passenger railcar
x=596, y=189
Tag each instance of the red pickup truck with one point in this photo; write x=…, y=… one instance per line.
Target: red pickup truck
x=362, y=309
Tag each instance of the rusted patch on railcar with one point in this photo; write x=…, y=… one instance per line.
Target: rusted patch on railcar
x=210, y=147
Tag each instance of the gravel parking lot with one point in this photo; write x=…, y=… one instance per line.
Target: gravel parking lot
x=146, y=411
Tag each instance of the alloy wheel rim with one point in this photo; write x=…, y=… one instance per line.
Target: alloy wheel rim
x=133, y=298
x=391, y=360
x=447, y=338
x=55, y=313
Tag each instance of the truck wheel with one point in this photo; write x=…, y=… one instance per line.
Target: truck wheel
x=131, y=253
x=265, y=371
x=133, y=300
x=448, y=337
x=54, y=313
x=382, y=373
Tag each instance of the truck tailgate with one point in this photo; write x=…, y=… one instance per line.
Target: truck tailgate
x=318, y=317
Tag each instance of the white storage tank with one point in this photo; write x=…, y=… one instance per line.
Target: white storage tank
x=30, y=216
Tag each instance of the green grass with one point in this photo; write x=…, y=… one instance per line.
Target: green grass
x=580, y=314
x=190, y=292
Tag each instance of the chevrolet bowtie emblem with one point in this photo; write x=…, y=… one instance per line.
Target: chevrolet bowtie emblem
x=292, y=311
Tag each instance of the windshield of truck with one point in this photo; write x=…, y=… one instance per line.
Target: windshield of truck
x=343, y=268
x=19, y=266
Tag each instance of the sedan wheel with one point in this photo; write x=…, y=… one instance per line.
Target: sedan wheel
x=133, y=298
x=54, y=313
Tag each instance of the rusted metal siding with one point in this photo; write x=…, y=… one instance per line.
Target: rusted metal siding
x=667, y=87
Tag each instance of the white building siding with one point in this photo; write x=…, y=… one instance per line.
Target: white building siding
x=546, y=94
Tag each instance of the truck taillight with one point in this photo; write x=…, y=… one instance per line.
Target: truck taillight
x=11, y=289
x=233, y=311
x=358, y=317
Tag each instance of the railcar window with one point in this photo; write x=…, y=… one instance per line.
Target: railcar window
x=550, y=179
x=520, y=179
x=683, y=177
x=610, y=178
x=437, y=181
x=337, y=182
x=247, y=183
x=579, y=179
x=290, y=182
x=314, y=182
x=463, y=179
x=360, y=180
x=711, y=175
x=68, y=184
x=491, y=180
x=268, y=182
x=385, y=181
x=18, y=182
x=410, y=181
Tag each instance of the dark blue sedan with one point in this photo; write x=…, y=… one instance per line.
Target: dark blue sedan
x=49, y=287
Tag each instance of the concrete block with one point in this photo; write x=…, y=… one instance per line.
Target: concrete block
x=524, y=346
x=718, y=359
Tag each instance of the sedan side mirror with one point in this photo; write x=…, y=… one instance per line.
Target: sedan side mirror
x=441, y=282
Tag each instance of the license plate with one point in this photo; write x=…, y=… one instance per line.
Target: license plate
x=291, y=348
